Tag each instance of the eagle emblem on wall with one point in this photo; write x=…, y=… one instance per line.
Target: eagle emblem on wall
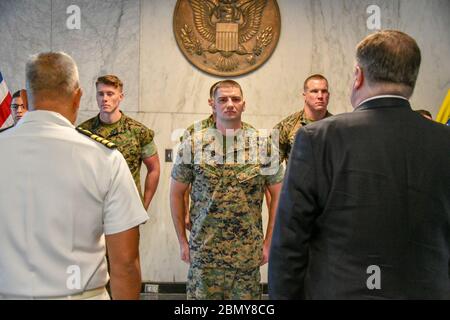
x=227, y=37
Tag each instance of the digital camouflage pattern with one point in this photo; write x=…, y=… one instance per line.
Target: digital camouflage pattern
x=288, y=128
x=226, y=198
x=132, y=138
x=199, y=125
x=223, y=284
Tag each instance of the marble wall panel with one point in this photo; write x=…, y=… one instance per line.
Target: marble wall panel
x=168, y=81
x=328, y=32
x=106, y=43
x=25, y=29
x=317, y=37
x=426, y=22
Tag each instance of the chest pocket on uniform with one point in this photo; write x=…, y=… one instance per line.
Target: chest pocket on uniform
x=248, y=192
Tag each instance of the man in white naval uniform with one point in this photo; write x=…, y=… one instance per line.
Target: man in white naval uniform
x=64, y=198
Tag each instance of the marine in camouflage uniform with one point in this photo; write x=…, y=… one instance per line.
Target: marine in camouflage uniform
x=196, y=126
x=316, y=96
x=226, y=239
x=132, y=138
x=288, y=128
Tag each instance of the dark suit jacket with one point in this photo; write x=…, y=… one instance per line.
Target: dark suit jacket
x=366, y=188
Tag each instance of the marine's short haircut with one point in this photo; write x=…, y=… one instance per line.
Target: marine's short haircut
x=110, y=80
x=225, y=84
x=211, y=90
x=313, y=77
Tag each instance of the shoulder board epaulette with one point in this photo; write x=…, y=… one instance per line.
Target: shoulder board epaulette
x=97, y=138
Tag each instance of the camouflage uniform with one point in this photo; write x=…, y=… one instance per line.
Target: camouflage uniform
x=288, y=128
x=209, y=284
x=133, y=140
x=226, y=233
x=199, y=125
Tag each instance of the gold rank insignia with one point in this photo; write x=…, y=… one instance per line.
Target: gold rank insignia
x=97, y=138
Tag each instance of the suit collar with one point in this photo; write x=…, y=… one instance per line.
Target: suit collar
x=384, y=102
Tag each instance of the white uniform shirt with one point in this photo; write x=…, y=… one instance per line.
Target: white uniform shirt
x=60, y=192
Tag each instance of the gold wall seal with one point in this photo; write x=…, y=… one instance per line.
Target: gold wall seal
x=227, y=37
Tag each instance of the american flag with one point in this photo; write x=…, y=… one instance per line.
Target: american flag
x=5, y=100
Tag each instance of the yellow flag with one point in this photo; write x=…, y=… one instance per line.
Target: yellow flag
x=444, y=113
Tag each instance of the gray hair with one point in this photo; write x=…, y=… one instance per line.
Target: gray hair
x=389, y=56
x=54, y=74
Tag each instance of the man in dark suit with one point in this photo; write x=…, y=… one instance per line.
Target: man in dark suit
x=364, y=211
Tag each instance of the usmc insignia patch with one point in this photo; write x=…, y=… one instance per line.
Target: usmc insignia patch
x=227, y=37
